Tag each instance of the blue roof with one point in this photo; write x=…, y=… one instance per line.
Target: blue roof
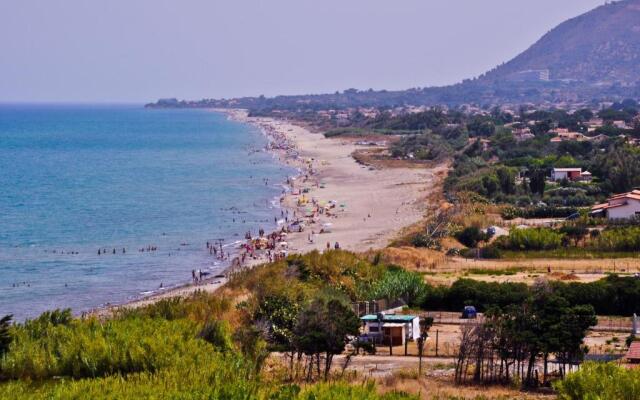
x=390, y=318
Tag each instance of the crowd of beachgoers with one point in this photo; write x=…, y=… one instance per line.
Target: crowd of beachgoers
x=307, y=214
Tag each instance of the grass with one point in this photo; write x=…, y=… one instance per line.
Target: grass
x=495, y=272
x=572, y=253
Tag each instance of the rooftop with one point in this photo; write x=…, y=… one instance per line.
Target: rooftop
x=634, y=351
x=389, y=318
x=567, y=169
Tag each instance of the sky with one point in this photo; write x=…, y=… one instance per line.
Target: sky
x=142, y=50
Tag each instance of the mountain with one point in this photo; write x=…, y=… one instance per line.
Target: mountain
x=595, y=56
x=599, y=47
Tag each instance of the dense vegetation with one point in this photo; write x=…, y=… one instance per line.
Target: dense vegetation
x=613, y=295
x=571, y=236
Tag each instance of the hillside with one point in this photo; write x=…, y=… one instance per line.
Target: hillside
x=593, y=56
x=599, y=47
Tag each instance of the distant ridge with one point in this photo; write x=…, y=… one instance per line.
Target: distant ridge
x=594, y=56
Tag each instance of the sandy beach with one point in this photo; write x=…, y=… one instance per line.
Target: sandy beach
x=334, y=201
x=371, y=205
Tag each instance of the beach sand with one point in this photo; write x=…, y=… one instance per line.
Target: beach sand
x=372, y=205
x=378, y=203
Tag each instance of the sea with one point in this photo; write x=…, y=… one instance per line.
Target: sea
x=102, y=204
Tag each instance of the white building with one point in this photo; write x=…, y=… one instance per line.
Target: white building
x=620, y=206
x=570, y=174
x=392, y=327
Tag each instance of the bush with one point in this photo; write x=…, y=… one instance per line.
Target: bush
x=510, y=212
x=400, y=284
x=218, y=333
x=600, y=381
x=471, y=236
x=619, y=239
x=490, y=252
x=531, y=239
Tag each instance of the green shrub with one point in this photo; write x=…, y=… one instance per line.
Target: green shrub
x=619, y=239
x=400, y=284
x=531, y=239
x=81, y=349
x=510, y=212
x=471, y=236
x=600, y=381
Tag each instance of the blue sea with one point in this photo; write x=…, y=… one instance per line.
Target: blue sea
x=78, y=179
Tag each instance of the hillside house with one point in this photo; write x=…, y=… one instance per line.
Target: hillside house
x=565, y=136
x=598, y=138
x=594, y=123
x=523, y=134
x=571, y=174
x=620, y=206
x=391, y=328
x=621, y=125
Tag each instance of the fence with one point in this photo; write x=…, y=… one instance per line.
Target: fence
x=614, y=324
x=362, y=308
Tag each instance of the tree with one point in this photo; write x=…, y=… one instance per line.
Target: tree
x=621, y=166
x=575, y=232
x=324, y=327
x=425, y=325
x=279, y=313
x=506, y=177
x=490, y=184
x=537, y=180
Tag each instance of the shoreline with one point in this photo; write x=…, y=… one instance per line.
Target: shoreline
x=333, y=202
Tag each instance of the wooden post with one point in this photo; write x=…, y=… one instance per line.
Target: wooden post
x=437, y=334
x=406, y=343
x=420, y=349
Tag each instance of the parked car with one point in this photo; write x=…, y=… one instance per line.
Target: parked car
x=469, y=312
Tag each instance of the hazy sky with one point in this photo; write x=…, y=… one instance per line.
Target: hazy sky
x=140, y=50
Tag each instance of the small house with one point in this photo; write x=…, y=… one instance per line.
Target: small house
x=571, y=174
x=392, y=329
x=620, y=206
x=563, y=135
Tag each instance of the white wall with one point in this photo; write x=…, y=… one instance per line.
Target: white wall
x=559, y=175
x=627, y=211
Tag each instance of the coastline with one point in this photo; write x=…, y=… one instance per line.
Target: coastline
x=334, y=198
